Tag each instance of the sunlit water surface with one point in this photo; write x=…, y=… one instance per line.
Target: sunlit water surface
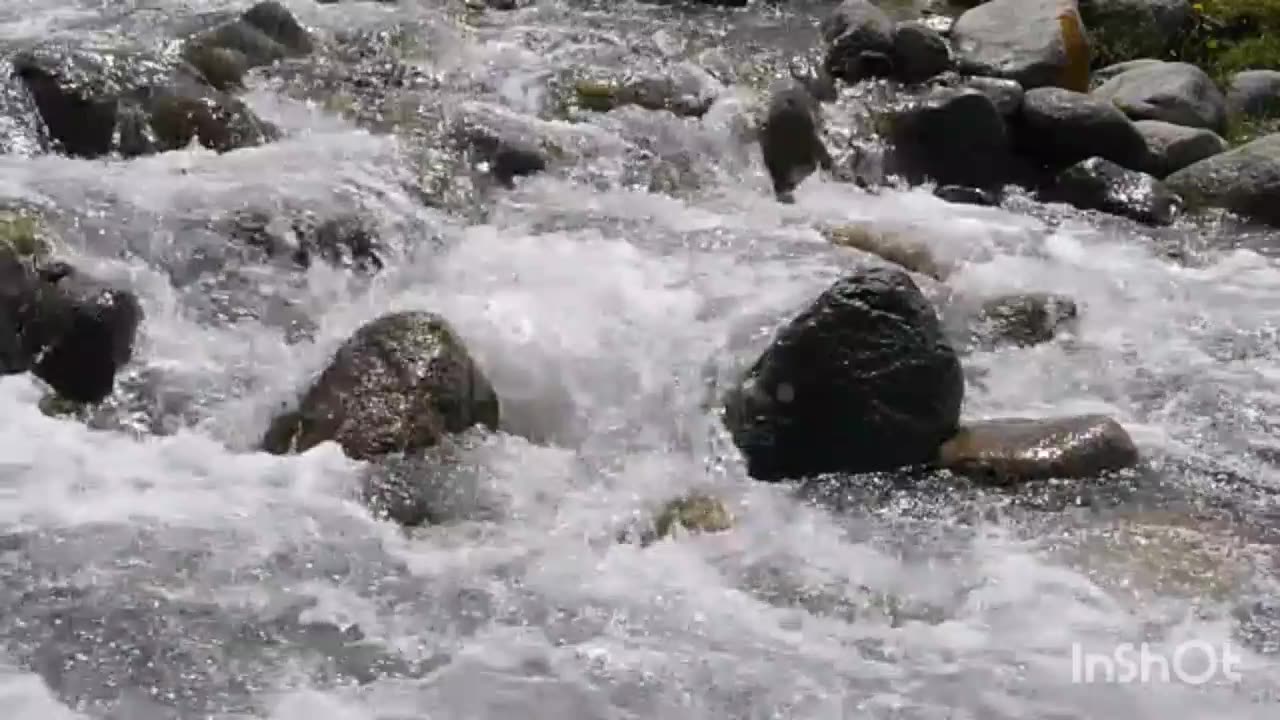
x=161, y=568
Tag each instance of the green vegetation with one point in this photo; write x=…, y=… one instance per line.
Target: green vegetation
x=694, y=513
x=24, y=234
x=1228, y=36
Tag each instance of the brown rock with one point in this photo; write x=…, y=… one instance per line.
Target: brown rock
x=1012, y=450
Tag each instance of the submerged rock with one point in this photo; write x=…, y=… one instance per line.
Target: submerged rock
x=693, y=513
x=791, y=137
x=862, y=380
x=64, y=326
x=890, y=247
x=1245, y=180
x=1021, y=319
x=1039, y=43
x=1098, y=184
x=343, y=240
x=1014, y=450
x=684, y=90
x=398, y=385
x=98, y=101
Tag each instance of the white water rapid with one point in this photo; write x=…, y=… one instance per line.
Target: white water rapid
x=182, y=574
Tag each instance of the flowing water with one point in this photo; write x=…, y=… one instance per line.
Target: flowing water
x=156, y=566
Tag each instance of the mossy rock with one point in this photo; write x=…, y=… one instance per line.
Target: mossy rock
x=695, y=513
x=55, y=406
x=25, y=234
x=597, y=95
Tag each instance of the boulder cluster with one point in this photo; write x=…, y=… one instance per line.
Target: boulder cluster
x=1010, y=92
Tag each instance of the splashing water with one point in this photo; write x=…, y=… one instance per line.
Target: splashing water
x=158, y=567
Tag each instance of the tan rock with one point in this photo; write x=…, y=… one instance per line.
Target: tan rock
x=889, y=246
x=1012, y=450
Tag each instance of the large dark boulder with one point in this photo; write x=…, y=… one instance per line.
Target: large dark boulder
x=952, y=136
x=919, y=52
x=859, y=40
x=1061, y=128
x=862, y=380
x=398, y=385
x=99, y=101
x=64, y=326
x=791, y=137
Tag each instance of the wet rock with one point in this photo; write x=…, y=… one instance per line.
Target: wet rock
x=1099, y=184
x=967, y=196
x=398, y=385
x=1015, y=450
x=685, y=90
x=1006, y=95
x=694, y=513
x=64, y=326
x=859, y=41
x=344, y=240
x=1254, y=94
x=1127, y=29
x=1039, y=43
x=919, y=53
x=1062, y=127
x=1172, y=147
x=1020, y=320
x=1245, y=180
x=95, y=102
x=862, y=380
x=264, y=34
x=952, y=137
x=890, y=247
x=791, y=137
x=1175, y=92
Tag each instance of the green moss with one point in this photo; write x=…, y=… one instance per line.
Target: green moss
x=694, y=513
x=56, y=406
x=1228, y=36
x=1246, y=130
x=24, y=234
x=598, y=95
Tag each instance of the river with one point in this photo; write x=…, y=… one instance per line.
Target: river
x=155, y=566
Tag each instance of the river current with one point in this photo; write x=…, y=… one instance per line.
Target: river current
x=153, y=565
